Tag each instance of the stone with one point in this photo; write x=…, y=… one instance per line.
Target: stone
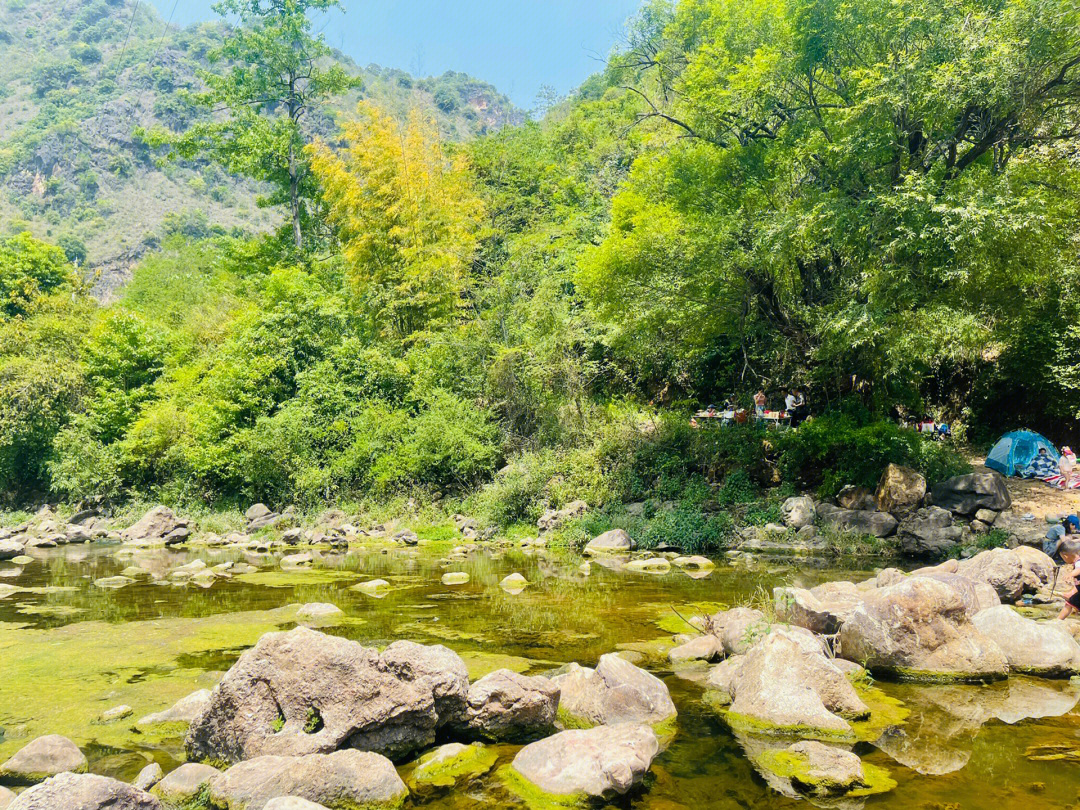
x=740, y=628
x=928, y=532
x=987, y=516
x=786, y=685
x=920, y=629
x=22, y=559
x=1033, y=648
x=373, y=587
x=391, y=702
x=702, y=648
x=900, y=490
x=615, y=540
x=77, y=535
x=149, y=776
x=1038, y=568
x=820, y=610
x=967, y=494
x=292, y=803
x=113, y=582
x=514, y=583
x=976, y=595
x=597, y=763
x=257, y=511
x=290, y=562
x=864, y=521
x=42, y=758
x=798, y=511
x=649, y=565
x=406, y=537
x=855, y=498
x=156, y=523
x=615, y=692
x=6, y=797
x=694, y=563
x=455, y=578
x=71, y=791
x=10, y=548
x=319, y=610
x=554, y=518
x=342, y=779
x=452, y=763
x=1001, y=568
x=183, y=783
x=818, y=769
x=183, y=711
x=116, y=713
x=507, y=706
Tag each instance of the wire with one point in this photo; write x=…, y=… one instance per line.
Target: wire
x=163, y=33
x=131, y=24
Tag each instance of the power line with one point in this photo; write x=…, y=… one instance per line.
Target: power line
x=163, y=33
x=131, y=24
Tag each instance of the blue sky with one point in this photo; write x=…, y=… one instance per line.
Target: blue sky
x=517, y=45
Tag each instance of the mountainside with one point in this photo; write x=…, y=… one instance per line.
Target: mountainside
x=78, y=76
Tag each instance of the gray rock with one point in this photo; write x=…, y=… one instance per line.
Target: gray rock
x=598, y=763
x=183, y=783
x=865, y=521
x=42, y=758
x=987, y=516
x=391, y=702
x=1001, y=568
x=1034, y=648
x=149, y=776
x=155, y=524
x=798, y=511
x=342, y=780
x=507, y=706
x=703, y=648
x=257, y=511
x=967, y=494
x=615, y=692
x=6, y=797
x=10, y=548
x=70, y=791
x=739, y=628
x=928, y=532
x=406, y=537
x=554, y=518
x=855, y=498
x=184, y=710
x=292, y=803
x=820, y=610
x=615, y=540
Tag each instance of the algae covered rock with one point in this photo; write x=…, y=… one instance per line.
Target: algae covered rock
x=373, y=587
x=42, y=758
x=514, y=583
x=815, y=769
x=71, y=791
x=649, y=565
x=506, y=705
x=1034, y=648
x=305, y=692
x=579, y=765
x=183, y=783
x=455, y=578
x=316, y=611
x=615, y=692
x=452, y=763
x=920, y=629
x=342, y=780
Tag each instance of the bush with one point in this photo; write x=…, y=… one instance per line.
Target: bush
x=834, y=450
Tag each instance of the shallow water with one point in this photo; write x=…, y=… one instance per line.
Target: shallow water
x=70, y=650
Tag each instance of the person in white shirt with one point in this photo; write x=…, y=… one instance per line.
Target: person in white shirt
x=790, y=402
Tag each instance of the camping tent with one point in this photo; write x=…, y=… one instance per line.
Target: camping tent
x=1017, y=449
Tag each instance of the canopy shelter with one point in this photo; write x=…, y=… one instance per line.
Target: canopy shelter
x=1017, y=449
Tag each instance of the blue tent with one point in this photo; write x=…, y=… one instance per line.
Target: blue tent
x=1017, y=449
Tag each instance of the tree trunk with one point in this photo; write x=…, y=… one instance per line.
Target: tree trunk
x=294, y=198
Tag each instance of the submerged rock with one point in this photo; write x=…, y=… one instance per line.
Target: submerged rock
x=615, y=692
x=578, y=765
x=305, y=692
x=649, y=565
x=1034, y=648
x=343, y=779
x=373, y=587
x=920, y=629
x=819, y=770
x=455, y=578
x=318, y=610
x=70, y=791
x=42, y=758
x=514, y=583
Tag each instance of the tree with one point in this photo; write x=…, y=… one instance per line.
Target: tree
x=274, y=79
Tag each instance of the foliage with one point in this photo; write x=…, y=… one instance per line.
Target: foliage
x=29, y=268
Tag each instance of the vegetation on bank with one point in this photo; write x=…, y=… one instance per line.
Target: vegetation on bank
x=870, y=203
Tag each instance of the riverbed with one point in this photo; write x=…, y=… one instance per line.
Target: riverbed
x=70, y=650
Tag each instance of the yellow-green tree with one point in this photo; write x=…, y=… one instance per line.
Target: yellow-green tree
x=408, y=217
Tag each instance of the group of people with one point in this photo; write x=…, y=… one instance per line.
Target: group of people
x=1062, y=473
x=1063, y=543
x=795, y=409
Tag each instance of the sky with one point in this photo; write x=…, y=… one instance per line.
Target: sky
x=518, y=45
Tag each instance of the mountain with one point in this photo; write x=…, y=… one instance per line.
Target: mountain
x=78, y=76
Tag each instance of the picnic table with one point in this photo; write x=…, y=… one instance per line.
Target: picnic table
x=774, y=419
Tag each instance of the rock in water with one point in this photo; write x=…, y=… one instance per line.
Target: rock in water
x=1001, y=568
x=10, y=548
x=821, y=770
x=319, y=610
x=967, y=494
x=1034, y=648
x=739, y=628
x=920, y=629
x=155, y=524
x=451, y=763
x=615, y=692
x=183, y=783
x=820, y=610
x=183, y=711
x=615, y=541
x=343, y=779
x=290, y=683
x=507, y=706
x=900, y=490
x=70, y=791
x=42, y=758
x=591, y=764
x=148, y=776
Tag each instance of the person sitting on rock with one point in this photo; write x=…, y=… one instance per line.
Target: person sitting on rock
x=1070, y=525
x=1070, y=554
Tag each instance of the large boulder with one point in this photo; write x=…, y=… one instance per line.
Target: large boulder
x=858, y=521
x=900, y=490
x=613, y=541
x=920, y=629
x=507, y=706
x=739, y=628
x=580, y=765
x=293, y=803
x=343, y=780
x=786, y=685
x=42, y=758
x=976, y=595
x=822, y=609
x=855, y=498
x=305, y=692
x=1034, y=648
x=967, y=494
x=70, y=791
x=1001, y=568
x=615, y=692
x=928, y=532
x=157, y=524
x=1038, y=568
x=798, y=511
